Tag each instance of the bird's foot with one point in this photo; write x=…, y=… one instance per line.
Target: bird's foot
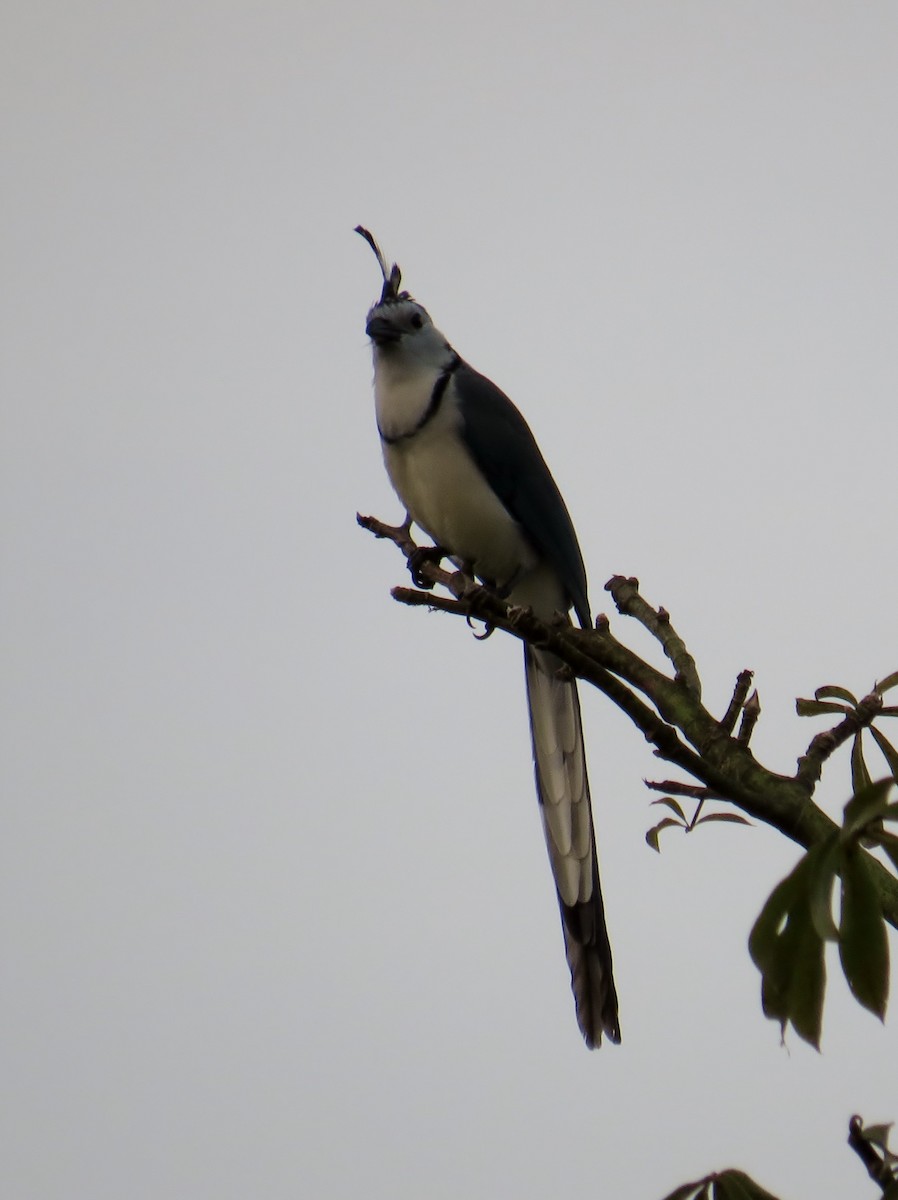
x=420, y=556
x=473, y=591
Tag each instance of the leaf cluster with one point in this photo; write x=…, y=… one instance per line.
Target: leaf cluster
x=788, y=939
x=722, y=1185
x=688, y=824
x=836, y=699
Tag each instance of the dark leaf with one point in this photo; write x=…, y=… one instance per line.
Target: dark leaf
x=686, y=1190
x=822, y=866
x=652, y=836
x=814, y=708
x=863, y=941
x=833, y=692
x=736, y=1185
x=670, y=803
x=766, y=929
x=727, y=1188
x=807, y=983
x=889, y=843
x=860, y=776
x=803, y=949
x=877, y=1134
x=886, y=684
x=789, y=953
x=732, y=818
x=890, y=754
x=867, y=805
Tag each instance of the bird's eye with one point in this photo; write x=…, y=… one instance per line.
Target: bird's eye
x=417, y=320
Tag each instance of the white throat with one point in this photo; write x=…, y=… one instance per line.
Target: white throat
x=403, y=387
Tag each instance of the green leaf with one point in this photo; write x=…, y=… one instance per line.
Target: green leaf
x=860, y=776
x=863, y=941
x=814, y=708
x=833, y=692
x=877, y=1134
x=886, y=684
x=766, y=929
x=822, y=866
x=889, y=753
x=803, y=947
x=652, y=836
x=736, y=1185
x=670, y=803
x=728, y=1188
x=889, y=843
x=732, y=818
x=867, y=805
x=788, y=951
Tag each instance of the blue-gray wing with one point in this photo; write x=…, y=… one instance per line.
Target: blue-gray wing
x=502, y=445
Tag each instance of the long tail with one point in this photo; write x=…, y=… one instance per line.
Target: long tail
x=563, y=790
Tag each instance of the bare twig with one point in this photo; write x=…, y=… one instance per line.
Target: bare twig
x=740, y=692
x=673, y=788
x=625, y=593
x=878, y=1167
x=751, y=710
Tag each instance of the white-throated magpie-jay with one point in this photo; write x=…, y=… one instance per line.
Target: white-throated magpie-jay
x=469, y=472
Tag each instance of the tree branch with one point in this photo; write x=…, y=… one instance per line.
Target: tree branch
x=667, y=711
x=740, y=694
x=625, y=593
x=878, y=1166
x=674, y=788
x=751, y=710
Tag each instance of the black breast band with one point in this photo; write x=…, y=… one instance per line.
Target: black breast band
x=436, y=399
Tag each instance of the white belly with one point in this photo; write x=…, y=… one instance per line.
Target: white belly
x=447, y=497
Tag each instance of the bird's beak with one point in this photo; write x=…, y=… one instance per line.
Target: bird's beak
x=382, y=331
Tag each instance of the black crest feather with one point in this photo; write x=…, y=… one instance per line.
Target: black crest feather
x=392, y=278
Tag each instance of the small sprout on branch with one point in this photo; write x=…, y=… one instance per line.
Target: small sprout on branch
x=871, y=1145
x=740, y=694
x=680, y=820
x=751, y=710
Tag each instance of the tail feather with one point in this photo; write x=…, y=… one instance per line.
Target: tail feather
x=563, y=790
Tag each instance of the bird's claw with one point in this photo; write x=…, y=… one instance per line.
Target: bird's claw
x=418, y=558
x=488, y=628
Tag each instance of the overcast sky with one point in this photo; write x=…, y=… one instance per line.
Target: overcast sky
x=277, y=919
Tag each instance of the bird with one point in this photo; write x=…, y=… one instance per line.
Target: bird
x=464, y=463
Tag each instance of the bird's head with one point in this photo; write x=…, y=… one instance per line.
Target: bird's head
x=399, y=327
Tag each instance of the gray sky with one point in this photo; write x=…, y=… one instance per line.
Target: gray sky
x=276, y=915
